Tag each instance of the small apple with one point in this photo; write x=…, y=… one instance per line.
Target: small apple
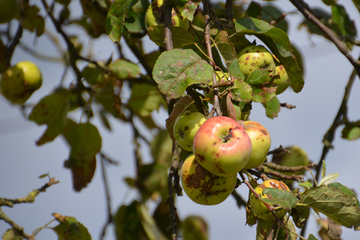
x=202, y=186
x=8, y=10
x=255, y=57
x=260, y=141
x=283, y=82
x=298, y=157
x=194, y=228
x=154, y=16
x=222, y=146
x=185, y=128
x=20, y=81
x=259, y=208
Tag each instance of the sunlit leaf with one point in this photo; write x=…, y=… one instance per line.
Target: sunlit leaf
x=177, y=69
x=351, y=131
x=328, y=179
x=11, y=234
x=124, y=69
x=345, y=190
x=241, y=91
x=188, y=9
x=285, y=199
x=272, y=108
x=263, y=94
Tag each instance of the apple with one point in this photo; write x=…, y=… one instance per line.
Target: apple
x=255, y=57
x=260, y=141
x=202, y=186
x=199, y=19
x=20, y=81
x=298, y=157
x=283, y=82
x=194, y=228
x=185, y=128
x=222, y=146
x=259, y=208
x=154, y=16
x=8, y=10
x=220, y=78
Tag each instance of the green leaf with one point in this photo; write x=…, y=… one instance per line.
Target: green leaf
x=351, y=131
x=357, y=4
x=144, y=99
x=259, y=76
x=124, y=69
x=263, y=94
x=177, y=69
x=127, y=223
x=241, y=91
x=234, y=70
x=116, y=17
x=70, y=229
x=306, y=184
x=286, y=199
x=11, y=234
x=152, y=178
x=312, y=237
x=188, y=9
x=272, y=108
x=2, y=57
x=328, y=179
x=180, y=36
x=335, y=204
x=32, y=20
x=92, y=74
x=226, y=48
x=345, y=190
x=323, y=171
x=151, y=229
x=161, y=146
x=52, y=111
x=180, y=106
x=138, y=13
x=278, y=42
x=343, y=24
x=85, y=142
x=300, y=214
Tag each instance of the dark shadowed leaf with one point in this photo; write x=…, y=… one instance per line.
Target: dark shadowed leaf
x=161, y=146
x=11, y=234
x=225, y=46
x=52, y=111
x=180, y=106
x=33, y=21
x=278, y=42
x=70, y=229
x=351, y=131
x=85, y=142
x=334, y=203
x=2, y=57
x=127, y=223
x=177, y=69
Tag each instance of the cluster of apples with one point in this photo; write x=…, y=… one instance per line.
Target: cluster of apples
x=20, y=81
x=221, y=147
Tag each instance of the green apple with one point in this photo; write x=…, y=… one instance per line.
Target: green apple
x=8, y=10
x=298, y=157
x=194, y=228
x=20, y=81
x=199, y=19
x=202, y=186
x=185, y=128
x=255, y=57
x=154, y=16
x=222, y=146
x=260, y=141
x=283, y=82
x=259, y=208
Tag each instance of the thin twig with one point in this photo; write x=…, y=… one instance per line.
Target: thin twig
x=108, y=200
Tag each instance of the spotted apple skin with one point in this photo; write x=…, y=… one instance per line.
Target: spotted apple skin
x=203, y=187
x=260, y=141
x=259, y=208
x=283, y=82
x=255, y=57
x=222, y=146
x=185, y=128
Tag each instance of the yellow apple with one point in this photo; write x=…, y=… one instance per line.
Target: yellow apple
x=283, y=82
x=20, y=81
x=259, y=208
x=260, y=141
x=255, y=57
x=202, y=186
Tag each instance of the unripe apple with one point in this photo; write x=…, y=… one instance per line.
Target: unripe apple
x=255, y=57
x=194, y=228
x=154, y=16
x=185, y=128
x=259, y=208
x=298, y=157
x=20, y=81
x=222, y=146
x=283, y=82
x=260, y=141
x=202, y=186
x=8, y=10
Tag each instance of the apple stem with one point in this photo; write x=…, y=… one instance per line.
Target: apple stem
x=257, y=196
